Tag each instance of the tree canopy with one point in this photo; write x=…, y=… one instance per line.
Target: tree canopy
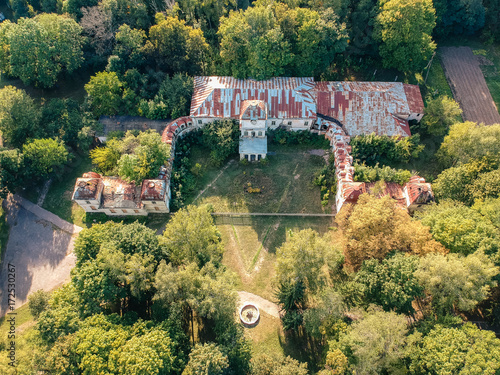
x=376, y=226
x=40, y=48
x=455, y=281
x=404, y=28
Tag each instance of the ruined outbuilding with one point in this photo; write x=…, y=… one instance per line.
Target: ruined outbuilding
x=339, y=110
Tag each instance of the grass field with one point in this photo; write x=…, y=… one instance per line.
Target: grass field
x=58, y=199
x=285, y=185
x=250, y=247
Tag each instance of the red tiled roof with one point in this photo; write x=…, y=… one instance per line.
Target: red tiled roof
x=419, y=192
x=169, y=131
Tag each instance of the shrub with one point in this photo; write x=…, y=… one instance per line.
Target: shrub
x=364, y=173
x=372, y=149
x=38, y=302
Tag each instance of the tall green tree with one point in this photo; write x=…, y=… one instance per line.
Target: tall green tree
x=206, y=359
x=191, y=236
x=461, y=229
x=440, y=114
x=456, y=282
x=104, y=92
x=309, y=258
x=19, y=117
x=468, y=140
x=458, y=182
x=11, y=171
x=44, y=157
x=222, y=138
x=128, y=47
x=459, y=17
x=391, y=283
x=177, y=47
x=404, y=28
x=41, y=48
x=272, y=364
x=376, y=344
x=362, y=24
x=463, y=350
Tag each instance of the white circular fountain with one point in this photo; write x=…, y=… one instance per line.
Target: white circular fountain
x=249, y=314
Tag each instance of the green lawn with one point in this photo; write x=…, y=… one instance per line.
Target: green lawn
x=58, y=199
x=250, y=246
x=436, y=84
x=284, y=185
x=24, y=319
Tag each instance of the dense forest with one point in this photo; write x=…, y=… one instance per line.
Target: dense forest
x=381, y=292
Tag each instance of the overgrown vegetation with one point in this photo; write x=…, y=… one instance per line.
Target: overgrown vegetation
x=372, y=174
x=134, y=157
x=372, y=149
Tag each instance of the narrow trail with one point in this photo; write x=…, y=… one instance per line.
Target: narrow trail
x=213, y=181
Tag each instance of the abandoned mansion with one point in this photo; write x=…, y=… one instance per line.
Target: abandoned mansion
x=339, y=110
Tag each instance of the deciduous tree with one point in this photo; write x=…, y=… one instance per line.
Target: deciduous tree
x=376, y=226
x=440, y=114
x=104, y=91
x=176, y=44
x=11, y=171
x=391, y=283
x=468, y=140
x=44, y=157
x=191, y=236
x=19, y=117
x=272, y=364
x=465, y=350
x=377, y=343
x=206, y=359
x=41, y=48
x=404, y=28
x=456, y=282
x=461, y=229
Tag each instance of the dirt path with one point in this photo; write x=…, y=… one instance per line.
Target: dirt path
x=213, y=181
x=262, y=303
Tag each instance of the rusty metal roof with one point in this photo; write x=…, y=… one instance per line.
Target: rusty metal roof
x=368, y=107
x=153, y=190
x=87, y=188
x=253, y=109
x=286, y=97
x=361, y=107
x=120, y=194
x=414, y=98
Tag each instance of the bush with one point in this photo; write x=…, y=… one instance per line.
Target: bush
x=362, y=173
x=38, y=302
x=302, y=137
x=373, y=149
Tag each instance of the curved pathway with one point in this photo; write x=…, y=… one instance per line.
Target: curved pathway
x=263, y=304
x=40, y=248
